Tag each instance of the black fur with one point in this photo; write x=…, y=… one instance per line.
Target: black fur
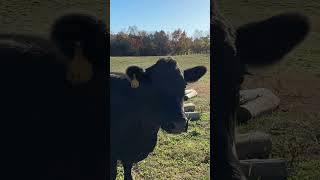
x=90, y=32
x=268, y=41
x=51, y=129
x=87, y=100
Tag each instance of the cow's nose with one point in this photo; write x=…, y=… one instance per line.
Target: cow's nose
x=177, y=126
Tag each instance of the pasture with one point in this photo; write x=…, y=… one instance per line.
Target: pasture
x=184, y=156
x=36, y=16
x=295, y=126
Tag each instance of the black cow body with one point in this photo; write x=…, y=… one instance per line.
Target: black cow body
x=144, y=139
x=138, y=112
x=32, y=89
x=257, y=43
x=47, y=123
x=84, y=37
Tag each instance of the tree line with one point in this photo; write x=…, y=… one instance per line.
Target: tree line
x=134, y=42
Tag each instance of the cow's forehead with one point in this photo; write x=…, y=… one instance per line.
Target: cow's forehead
x=166, y=67
x=167, y=76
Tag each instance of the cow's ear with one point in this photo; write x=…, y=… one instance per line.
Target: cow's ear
x=136, y=75
x=194, y=74
x=268, y=41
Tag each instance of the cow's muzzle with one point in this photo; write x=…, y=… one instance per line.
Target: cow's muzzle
x=176, y=127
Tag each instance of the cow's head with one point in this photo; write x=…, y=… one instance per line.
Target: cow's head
x=162, y=88
x=82, y=39
x=258, y=43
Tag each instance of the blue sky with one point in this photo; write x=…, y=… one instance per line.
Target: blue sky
x=155, y=15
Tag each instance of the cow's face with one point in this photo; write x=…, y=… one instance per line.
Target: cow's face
x=83, y=40
x=164, y=86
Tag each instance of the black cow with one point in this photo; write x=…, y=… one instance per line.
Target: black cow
x=83, y=39
x=142, y=101
x=46, y=130
x=257, y=43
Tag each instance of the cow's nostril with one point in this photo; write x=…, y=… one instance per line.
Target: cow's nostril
x=176, y=127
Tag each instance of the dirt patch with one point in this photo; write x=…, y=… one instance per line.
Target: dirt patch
x=298, y=91
x=203, y=89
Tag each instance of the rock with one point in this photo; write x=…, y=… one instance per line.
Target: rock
x=193, y=116
x=258, y=101
x=255, y=145
x=189, y=107
x=264, y=169
x=190, y=93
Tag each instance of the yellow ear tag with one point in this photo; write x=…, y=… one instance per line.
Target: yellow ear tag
x=134, y=83
x=80, y=69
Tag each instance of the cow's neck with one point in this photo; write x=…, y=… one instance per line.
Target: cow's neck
x=141, y=110
x=149, y=128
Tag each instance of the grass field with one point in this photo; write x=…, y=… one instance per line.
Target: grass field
x=185, y=156
x=295, y=126
x=36, y=16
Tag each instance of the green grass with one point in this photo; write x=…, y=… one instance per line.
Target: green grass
x=295, y=134
x=185, y=156
x=36, y=16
